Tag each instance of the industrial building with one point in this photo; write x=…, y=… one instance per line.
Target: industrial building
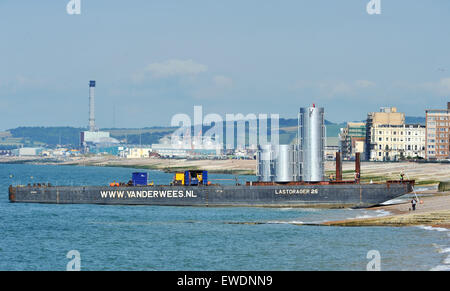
x=93, y=137
x=136, y=152
x=200, y=146
x=438, y=133
x=27, y=151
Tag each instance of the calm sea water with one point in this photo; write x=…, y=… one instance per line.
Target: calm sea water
x=39, y=236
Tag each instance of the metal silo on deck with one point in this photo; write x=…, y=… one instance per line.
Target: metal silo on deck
x=265, y=163
x=311, y=133
x=283, y=163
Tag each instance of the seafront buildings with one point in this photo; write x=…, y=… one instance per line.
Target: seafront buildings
x=386, y=116
x=384, y=136
x=388, y=138
x=352, y=139
x=438, y=133
x=396, y=142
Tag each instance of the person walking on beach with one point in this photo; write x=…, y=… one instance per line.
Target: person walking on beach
x=413, y=204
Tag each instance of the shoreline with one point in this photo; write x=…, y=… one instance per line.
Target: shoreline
x=425, y=174
x=434, y=212
x=229, y=166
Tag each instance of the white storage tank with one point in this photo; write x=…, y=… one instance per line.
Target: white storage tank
x=265, y=163
x=278, y=163
x=311, y=133
x=286, y=163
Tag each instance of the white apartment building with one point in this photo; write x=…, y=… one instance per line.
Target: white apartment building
x=395, y=142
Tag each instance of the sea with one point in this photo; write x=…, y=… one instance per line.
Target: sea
x=101, y=237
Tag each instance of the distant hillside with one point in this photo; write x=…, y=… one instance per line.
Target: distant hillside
x=415, y=120
x=288, y=122
x=70, y=136
x=52, y=136
x=136, y=136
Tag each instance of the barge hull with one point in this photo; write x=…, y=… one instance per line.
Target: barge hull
x=326, y=196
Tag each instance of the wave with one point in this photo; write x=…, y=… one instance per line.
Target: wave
x=395, y=201
x=441, y=268
x=300, y=209
x=426, y=227
x=286, y=222
x=445, y=266
x=373, y=214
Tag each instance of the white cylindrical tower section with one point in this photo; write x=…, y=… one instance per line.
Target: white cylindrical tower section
x=283, y=163
x=312, y=143
x=265, y=163
x=91, y=105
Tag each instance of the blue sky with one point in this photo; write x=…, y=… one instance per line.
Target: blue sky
x=153, y=59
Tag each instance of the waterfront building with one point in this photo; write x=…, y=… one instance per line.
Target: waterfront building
x=352, y=139
x=27, y=151
x=438, y=133
x=136, y=152
x=396, y=142
x=332, y=146
x=386, y=116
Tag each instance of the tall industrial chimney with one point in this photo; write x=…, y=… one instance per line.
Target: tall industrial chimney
x=311, y=134
x=91, y=105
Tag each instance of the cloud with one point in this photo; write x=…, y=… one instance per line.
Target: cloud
x=441, y=87
x=222, y=81
x=217, y=87
x=21, y=82
x=335, y=88
x=364, y=84
x=186, y=77
x=172, y=68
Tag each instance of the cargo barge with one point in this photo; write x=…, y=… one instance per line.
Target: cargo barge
x=324, y=194
x=193, y=188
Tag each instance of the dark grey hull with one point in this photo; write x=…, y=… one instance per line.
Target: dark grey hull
x=327, y=196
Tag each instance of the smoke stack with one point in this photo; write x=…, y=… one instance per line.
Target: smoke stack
x=338, y=167
x=358, y=167
x=91, y=105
